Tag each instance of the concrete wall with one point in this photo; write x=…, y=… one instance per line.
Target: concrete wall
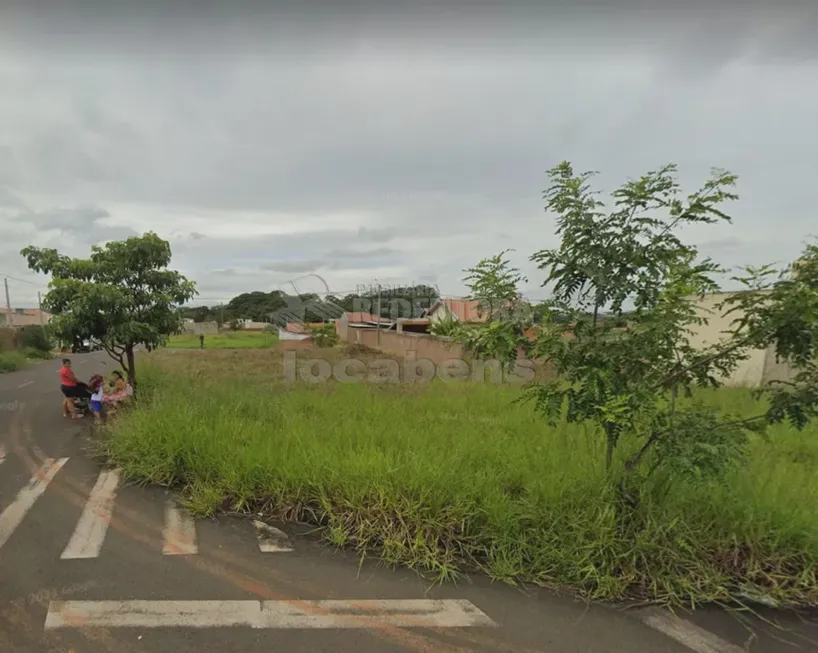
x=201, y=328
x=249, y=325
x=436, y=350
x=760, y=368
x=30, y=318
x=342, y=327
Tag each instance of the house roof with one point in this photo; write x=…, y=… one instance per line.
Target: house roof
x=297, y=327
x=362, y=316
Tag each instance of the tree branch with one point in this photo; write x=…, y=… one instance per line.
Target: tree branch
x=634, y=460
x=117, y=356
x=674, y=376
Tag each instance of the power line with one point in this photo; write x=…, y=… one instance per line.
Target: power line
x=32, y=283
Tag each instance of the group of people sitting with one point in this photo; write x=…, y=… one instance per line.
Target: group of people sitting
x=96, y=391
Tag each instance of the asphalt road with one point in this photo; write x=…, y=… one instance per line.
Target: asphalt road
x=89, y=563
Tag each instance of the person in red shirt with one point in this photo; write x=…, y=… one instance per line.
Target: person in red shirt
x=71, y=389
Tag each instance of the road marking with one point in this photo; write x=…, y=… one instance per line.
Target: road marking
x=688, y=634
x=12, y=516
x=2, y=454
x=417, y=613
x=180, y=531
x=23, y=385
x=92, y=526
x=271, y=539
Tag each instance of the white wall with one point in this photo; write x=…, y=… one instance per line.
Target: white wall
x=441, y=312
x=201, y=328
x=749, y=372
x=287, y=335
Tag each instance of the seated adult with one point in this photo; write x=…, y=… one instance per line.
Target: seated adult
x=71, y=389
x=121, y=389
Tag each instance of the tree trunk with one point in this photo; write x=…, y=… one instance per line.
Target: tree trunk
x=610, y=444
x=131, y=367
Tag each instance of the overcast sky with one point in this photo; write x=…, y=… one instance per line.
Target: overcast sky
x=370, y=145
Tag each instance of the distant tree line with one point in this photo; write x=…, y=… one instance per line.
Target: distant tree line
x=261, y=306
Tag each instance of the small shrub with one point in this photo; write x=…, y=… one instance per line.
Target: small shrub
x=11, y=361
x=35, y=337
x=324, y=335
x=448, y=327
x=36, y=354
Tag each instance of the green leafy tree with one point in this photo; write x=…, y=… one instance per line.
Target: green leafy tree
x=494, y=283
x=122, y=295
x=395, y=303
x=627, y=373
x=446, y=327
x=36, y=337
x=627, y=289
x=201, y=313
x=255, y=306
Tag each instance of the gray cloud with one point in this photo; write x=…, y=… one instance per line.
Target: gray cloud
x=293, y=266
x=378, y=252
x=361, y=143
x=85, y=224
x=731, y=242
x=80, y=219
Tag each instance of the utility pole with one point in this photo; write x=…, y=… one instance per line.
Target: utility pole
x=378, y=341
x=8, y=303
x=40, y=307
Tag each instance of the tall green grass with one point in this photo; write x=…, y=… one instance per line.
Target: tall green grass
x=448, y=478
x=11, y=361
x=230, y=340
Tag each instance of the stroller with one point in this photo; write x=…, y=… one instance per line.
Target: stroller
x=82, y=404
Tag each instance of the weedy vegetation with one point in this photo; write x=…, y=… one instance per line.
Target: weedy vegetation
x=632, y=472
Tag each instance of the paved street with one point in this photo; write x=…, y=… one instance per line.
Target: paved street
x=90, y=563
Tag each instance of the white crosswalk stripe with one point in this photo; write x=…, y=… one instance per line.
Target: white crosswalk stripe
x=12, y=516
x=180, y=538
x=686, y=633
x=401, y=613
x=180, y=531
x=92, y=526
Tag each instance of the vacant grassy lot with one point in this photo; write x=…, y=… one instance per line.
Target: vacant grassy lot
x=451, y=477
x=17, y=359
x=11, y=361
x=229, y=340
